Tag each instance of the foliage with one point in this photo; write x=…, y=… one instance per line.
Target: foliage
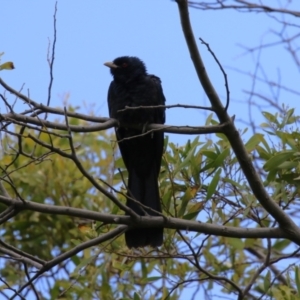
x=230, y=205
x=199, y=181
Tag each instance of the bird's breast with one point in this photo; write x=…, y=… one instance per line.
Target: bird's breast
x=127, y=102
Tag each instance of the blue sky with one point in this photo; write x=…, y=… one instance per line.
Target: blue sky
x=90, y=33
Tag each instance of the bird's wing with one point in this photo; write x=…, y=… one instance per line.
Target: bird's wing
x=160, y=118
x=121, y=133
x=152, y=94
x=159, y=99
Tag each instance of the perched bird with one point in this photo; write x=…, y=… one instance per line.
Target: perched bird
x=132, y=86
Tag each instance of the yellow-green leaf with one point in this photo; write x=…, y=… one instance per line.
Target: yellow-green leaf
x=213, y=184
x=7, y=66
x=278, y=159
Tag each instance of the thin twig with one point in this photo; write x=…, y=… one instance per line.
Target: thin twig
x=222, y=70
x=51, y=60
x=165, y=106
x=63, y=257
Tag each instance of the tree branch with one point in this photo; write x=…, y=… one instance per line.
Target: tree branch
x=232, y=133
x=145, y=222
x=54, y=262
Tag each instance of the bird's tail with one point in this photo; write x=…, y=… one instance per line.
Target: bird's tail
x=144, y=190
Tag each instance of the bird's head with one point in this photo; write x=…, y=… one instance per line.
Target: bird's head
x=126, y=68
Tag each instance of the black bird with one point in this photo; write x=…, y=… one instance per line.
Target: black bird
x=132, y=86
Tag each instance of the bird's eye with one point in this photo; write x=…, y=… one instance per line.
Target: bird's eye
x=124, y=65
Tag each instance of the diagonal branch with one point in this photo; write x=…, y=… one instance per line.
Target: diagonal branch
x=255, y=182
x=63, y=257
x=91, y=179
x=18, y=257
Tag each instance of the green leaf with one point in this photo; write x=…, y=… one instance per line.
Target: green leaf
x=191, y=216
x=288, y=165
x=187, y=160
x=220, y=159
x=234, y=183
x=187, y=197
x=7, y=66
x=271, y=177
x=278, y=159
x=213, y=184
x=136, y=296
x=151, y=279
x=84, y=262
x=297, y=280
x=281, y=245
x=217, y=160
x=253, y=142
x=210, y=154
x=289, y=117
x=266, y=145
x=236, y=243
x=195, y=166
x=267, y=282
x=271, y=118
x=263, y=153
x=209, y=119
x=75, y=242
x=194, y=211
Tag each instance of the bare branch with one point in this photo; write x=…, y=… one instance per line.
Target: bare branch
x=54, y=262
x=243, y=6
x=222, y=70
x=232, y=134
x=166, y=106
x=23, y=259
x=51, y=59
x=145, y=221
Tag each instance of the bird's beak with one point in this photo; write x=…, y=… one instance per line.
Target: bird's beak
x=110, y=65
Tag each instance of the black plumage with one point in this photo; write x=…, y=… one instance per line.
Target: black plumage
x=142, y=153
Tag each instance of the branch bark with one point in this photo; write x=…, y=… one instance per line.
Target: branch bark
x=172, y=223
x=232, y=133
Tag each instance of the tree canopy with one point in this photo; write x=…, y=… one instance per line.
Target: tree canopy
x=229, y=198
